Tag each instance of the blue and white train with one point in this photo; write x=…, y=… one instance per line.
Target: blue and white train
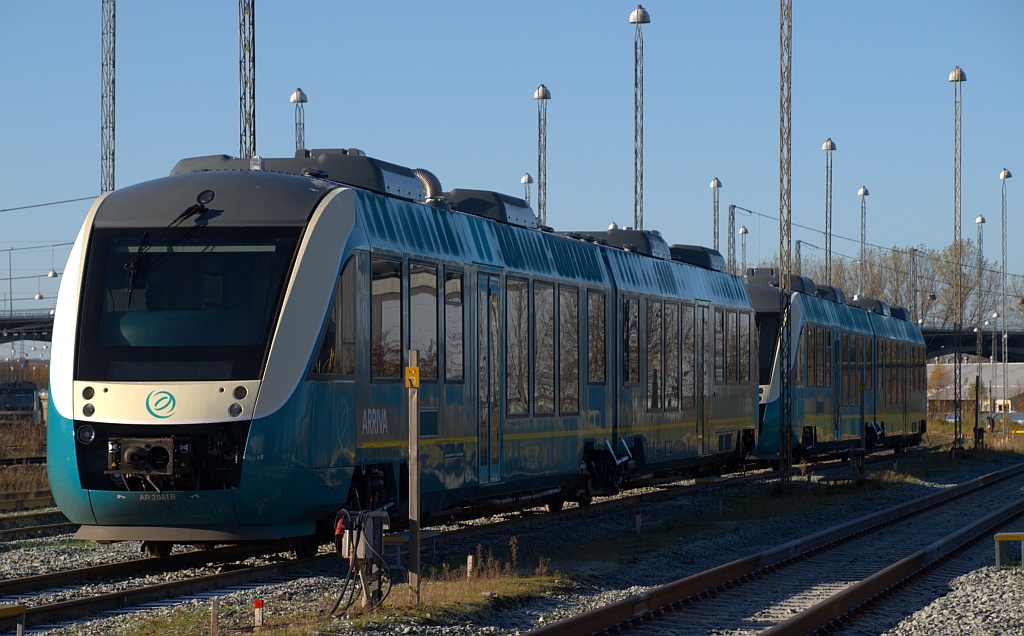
x=229, y=345
x=858, y=371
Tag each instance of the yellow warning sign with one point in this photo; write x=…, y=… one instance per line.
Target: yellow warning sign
x=412, y=377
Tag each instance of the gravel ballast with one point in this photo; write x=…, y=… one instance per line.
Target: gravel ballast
x=972, y=601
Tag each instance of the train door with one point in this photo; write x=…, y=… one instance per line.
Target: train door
x=702, y=374
x=488, y=422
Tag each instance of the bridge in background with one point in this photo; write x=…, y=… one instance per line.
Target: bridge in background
x=38, y=325
x=942, y=342
x=25, y=325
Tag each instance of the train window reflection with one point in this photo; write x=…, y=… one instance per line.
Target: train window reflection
x=423, y=317
x=631, y=346
x=689, y=349
x=569, y=347
x=544, y=353
x=157, y=304
x=655, y=376
x=386, y=318
x=595, y=337
x=453, y=330
x=671, y=396
x=337, y=348
x=719, y=346
x=517, y=346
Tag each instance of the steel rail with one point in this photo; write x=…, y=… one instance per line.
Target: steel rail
x=855, y=596
x=638, y=608
x=77, y=608
x=46, y=528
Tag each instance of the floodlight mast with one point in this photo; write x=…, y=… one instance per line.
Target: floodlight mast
x=299, y=99
x=543, y=96
x=107, y=99
x=247, y=78
x=639, y=17
x=957, y=77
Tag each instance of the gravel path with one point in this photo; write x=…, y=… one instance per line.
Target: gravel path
x=975, y=598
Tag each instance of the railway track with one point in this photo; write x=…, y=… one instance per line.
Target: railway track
x=805, y=585
x=23, y=461
x=21, y=590
x=14, y=501
x=65, y=584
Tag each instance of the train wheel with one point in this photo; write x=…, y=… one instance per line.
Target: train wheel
x=158, y=549
x=205, y=547
x=555, y=505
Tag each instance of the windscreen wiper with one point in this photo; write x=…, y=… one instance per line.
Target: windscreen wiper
x=134, y=266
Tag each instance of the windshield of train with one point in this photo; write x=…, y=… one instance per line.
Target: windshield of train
x=185, y=305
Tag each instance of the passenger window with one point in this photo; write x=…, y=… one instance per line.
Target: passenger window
x=544, y=348
x=386, y=318
x=631, y=346
x=720, y=360
x=745, y=333
x=337, y=346
x=688, y=343
x=517, y=346
x=569, y=347
x=423, y=317
x=671, y=395
x=453, y=329
x=595, y=337
x=732, y=348
x=655, y=376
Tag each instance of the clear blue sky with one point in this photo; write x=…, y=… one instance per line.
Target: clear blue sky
x=448, y=86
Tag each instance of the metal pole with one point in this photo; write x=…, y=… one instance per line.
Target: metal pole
x=913, y=278
x=828, y=147
x=957, y=76
x=1003, y=176
x=639, y=17
x=108, y=97
x=542, y=95
x=715, y=186
x=412, y=386
x=992, y=375
x=247, y=78
x=785, y=234
x=863, y=193
x=743, y=249
x=732, y=240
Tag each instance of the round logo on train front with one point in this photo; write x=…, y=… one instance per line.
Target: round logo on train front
x=160, y=404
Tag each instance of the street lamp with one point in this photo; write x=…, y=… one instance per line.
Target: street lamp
x=639, y=17
x=980, y=222
x=743, y=243
x=992, y=375
x=542, y=95
x=716, y=185
x=957, y=77
x=1004, y=174
x=862, y=193
x=299, y=99
x=829, y=146
x=526, y=181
